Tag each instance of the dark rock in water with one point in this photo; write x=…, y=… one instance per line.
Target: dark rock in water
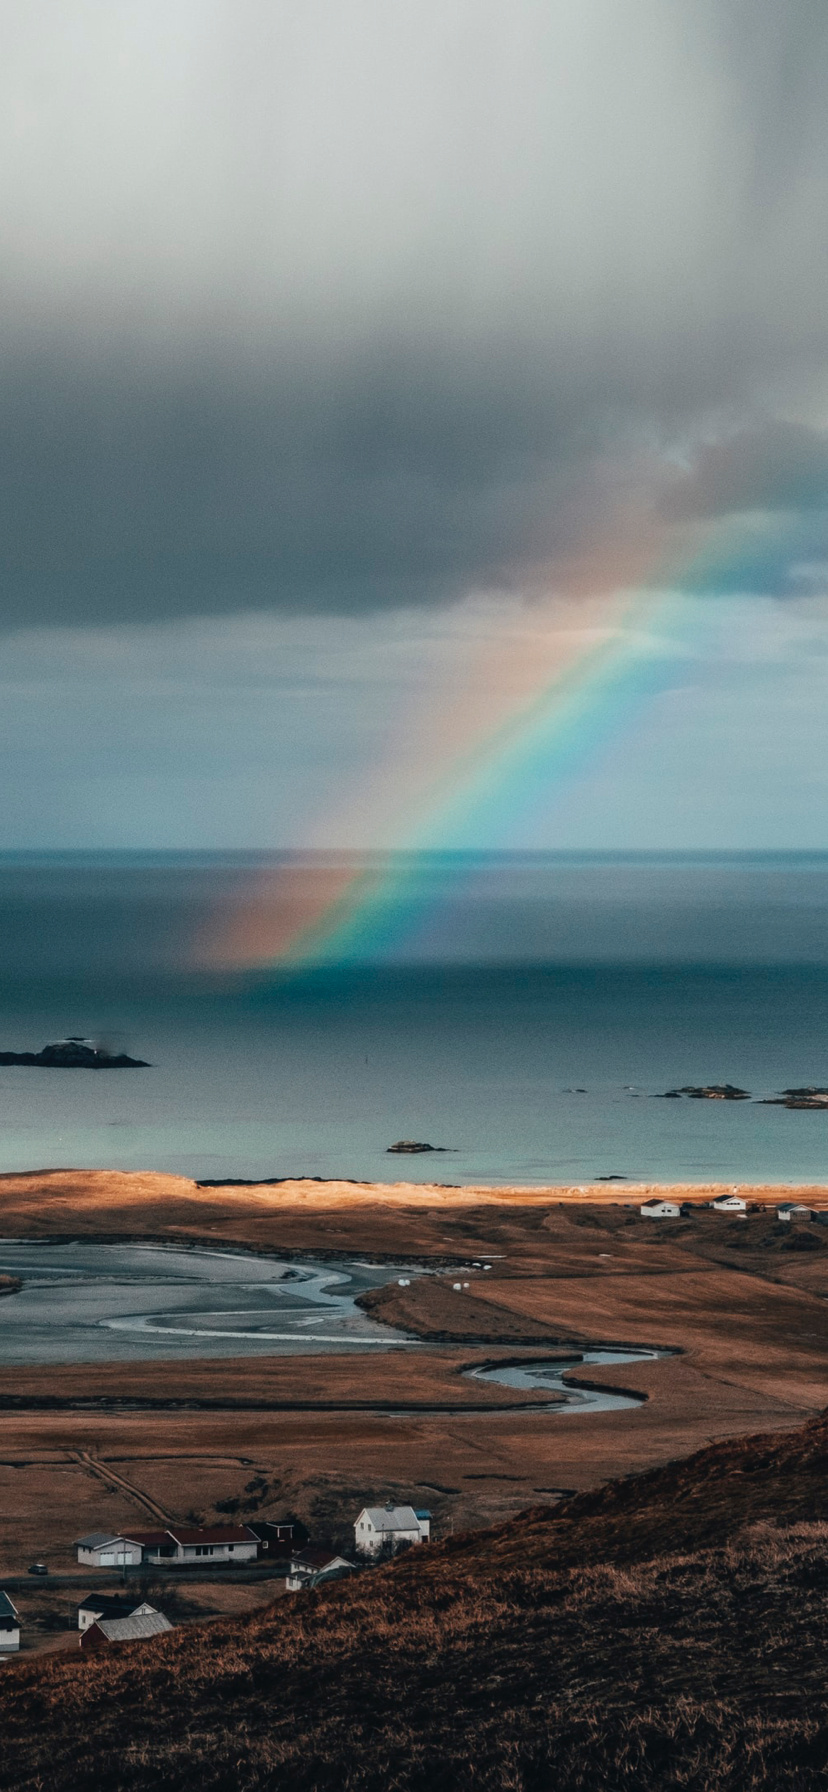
x=411, y=1146
x=709, y=1092
x=798, y=1098
x=75, y=1054
x=614, y=1177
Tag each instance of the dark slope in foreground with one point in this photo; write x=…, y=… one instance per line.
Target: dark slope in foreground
x=669, y=1631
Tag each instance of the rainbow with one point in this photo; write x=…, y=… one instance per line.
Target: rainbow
x=544, y=690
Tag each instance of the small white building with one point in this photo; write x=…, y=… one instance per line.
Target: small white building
x=729, y=1204
x=102, y=1550
x=660, y=1210
x=789, y=1210
x=9, y=1626
x=319, y=1562
x=109, y=1605
x=389, y=1527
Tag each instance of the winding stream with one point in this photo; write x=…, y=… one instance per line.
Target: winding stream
x=549, y=1376
x=84, y=1302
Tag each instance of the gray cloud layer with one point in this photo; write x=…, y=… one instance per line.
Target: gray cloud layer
x=341, y=306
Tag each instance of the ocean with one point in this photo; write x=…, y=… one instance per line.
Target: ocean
x=524, y=1012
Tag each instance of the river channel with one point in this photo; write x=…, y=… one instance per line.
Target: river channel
x=83, y=1302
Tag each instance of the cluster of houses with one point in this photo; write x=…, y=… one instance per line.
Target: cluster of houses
x=732, y=1203
x=379, y=1531
x=106, y=1618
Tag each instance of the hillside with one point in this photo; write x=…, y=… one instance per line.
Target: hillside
x=664, y=1631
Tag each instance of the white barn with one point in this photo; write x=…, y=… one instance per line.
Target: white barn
x=101, y=1550
x=660, y=1210
x=389, y=1527
x=9, y=1626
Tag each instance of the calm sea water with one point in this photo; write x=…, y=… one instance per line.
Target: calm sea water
x=526, y=1015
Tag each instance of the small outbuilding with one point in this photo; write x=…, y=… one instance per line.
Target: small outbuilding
x=109, y=1605
x=9, y=1626
x=790, y=1210
x=276, y=1539
x=660, y=1210
x=729, y=1204
x=136, y=1629
x=101, y=1549
x=319, y=1562
x=390, y=1527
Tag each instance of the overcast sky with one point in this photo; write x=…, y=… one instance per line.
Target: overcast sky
x=327, y=324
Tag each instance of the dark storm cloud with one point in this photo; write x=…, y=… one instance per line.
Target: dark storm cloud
x=771, y=467
x=334, y=308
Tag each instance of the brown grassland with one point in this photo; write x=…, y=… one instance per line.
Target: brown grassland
x=666, y=1629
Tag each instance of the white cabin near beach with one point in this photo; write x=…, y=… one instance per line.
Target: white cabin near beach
x=660, y=1210
x=729, y=1204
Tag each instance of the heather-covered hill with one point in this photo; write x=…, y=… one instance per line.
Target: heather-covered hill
x=668, y=1631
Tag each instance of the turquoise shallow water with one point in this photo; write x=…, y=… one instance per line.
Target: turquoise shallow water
x=527, y=1020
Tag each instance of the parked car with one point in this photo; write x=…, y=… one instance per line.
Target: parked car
x=38, y=1568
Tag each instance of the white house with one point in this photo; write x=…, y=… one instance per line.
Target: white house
x=108, y=1605
x=788, y=1209
x=660, y=1210
x=199, y=1543
x=9, y=1626
x=102, y=1550
x=388, y=1527
x=320, y=1562
x=184, y=1543
x=729, y=1204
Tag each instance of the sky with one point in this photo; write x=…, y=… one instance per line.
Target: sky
x=414, y=423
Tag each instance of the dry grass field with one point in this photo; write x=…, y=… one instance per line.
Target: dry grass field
x=664, y=1631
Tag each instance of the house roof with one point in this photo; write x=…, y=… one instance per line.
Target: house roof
x=316, y=1557
x=216, y=1533
x=7, y=1609
x=148, y=1539
x=130, y=1630
x=391, y=1518
x=97, y=1540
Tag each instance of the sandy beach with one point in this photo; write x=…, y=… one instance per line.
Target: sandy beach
x=135, y=1203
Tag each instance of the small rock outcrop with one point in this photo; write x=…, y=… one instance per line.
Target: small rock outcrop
x=411, y=1146
x=709, y=1092
x=798, y=1098
x=75, y=1054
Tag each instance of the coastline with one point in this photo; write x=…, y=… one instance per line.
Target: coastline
x=164, y=1208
